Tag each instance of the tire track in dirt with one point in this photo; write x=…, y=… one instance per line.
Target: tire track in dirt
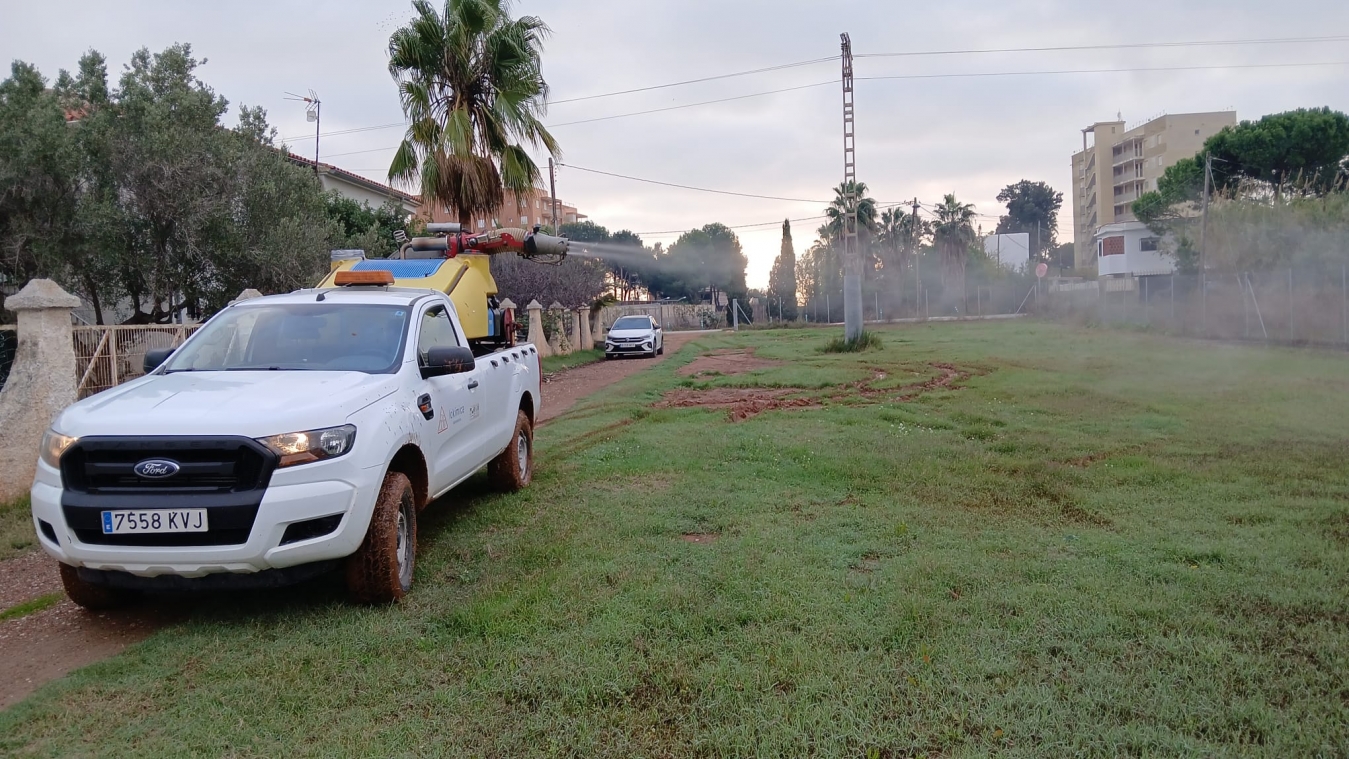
x=741, y=403
x=565, y=388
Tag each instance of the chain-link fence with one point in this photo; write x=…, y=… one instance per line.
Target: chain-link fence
x=982, y=294
x=1292, y=305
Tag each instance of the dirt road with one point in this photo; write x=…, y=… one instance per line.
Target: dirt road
x=561, y=391
x=46, y=645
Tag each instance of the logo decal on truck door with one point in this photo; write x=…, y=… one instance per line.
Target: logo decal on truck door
x=473, y=412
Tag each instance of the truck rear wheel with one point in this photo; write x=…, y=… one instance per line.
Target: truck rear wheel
x=381, y=569
x=512, y=468
x=91, y=596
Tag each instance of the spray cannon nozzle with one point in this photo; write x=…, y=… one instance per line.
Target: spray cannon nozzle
x=547, y=249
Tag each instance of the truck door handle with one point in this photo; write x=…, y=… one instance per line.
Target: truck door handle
x=472, y=384
x=424, y=406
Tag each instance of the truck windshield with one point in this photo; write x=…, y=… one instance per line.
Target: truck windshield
x=329, y=337
x=632, y=322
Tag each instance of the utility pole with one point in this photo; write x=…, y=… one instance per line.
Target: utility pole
x=1203, y=229
x=917, y=259
x=852, y=256
x=552, y=190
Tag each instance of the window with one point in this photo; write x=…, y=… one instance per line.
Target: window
x=524, y=219
x=1196, y=131
x=1148, y=243
x=437, y=332
x=481, y=223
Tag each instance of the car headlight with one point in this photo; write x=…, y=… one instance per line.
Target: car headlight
x=313, y=445
x=53, y=445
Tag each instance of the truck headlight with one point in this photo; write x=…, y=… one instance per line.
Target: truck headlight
x=53, y=445
x=313, y=445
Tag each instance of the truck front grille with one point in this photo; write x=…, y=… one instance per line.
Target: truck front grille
x=227, y=476
x=206, y=465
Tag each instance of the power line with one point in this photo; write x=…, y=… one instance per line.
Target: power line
x=879, y=207
x=1121, y=46
x=636, y=113
x=915, y=76
x=737, y=226
x=913, y=53
x=1108, y=71
x=690, y=187
x=696, y=81
x=692, y=105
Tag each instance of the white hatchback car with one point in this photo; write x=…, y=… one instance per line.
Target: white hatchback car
x=639, y=335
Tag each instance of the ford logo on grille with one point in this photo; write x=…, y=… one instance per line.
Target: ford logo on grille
x=156, y=468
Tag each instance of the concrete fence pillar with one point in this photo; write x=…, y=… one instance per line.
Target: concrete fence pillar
x=583, y=324
x=561, y=345
x=41, y=382
x=578, y=335
x=536, y=328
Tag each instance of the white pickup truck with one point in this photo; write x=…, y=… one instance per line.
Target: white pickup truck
x=291, y=435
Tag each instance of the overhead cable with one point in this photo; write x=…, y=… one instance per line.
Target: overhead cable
x=690, y=187
x=1120, y=46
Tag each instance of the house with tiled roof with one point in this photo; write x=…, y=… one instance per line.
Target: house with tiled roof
x=357, y=187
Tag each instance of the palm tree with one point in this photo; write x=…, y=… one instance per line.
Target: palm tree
x=953, y=233
x=473, y=91
x=838, y=208
x=899, y=235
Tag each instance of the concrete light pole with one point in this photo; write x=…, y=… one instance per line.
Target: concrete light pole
x=852, y=256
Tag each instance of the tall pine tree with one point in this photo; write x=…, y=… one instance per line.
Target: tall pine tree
x=782, y=280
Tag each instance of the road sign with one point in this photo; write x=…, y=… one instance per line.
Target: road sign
x=1041, y=269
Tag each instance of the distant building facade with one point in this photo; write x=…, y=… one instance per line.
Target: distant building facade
x=1130, y=249
x=1118, y=165
x=534, y=207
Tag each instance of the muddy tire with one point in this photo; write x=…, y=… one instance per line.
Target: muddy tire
x=512, y=469
x=90, y=596
x=381, y=569
x=661, y=350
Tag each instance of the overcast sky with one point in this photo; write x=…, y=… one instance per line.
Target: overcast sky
x=915, y=137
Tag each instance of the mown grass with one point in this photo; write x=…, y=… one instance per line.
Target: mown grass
x=571, y=360
x=1100, y=544
x=31, y=606
x=16, y=528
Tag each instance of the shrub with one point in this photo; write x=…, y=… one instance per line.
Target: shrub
x=864, y=342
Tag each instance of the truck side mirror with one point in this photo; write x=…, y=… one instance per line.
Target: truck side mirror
x=154, y=357
x=441, y=361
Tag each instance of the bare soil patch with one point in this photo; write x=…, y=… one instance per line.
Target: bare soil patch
x=27, y=577
x=699, y=537
x=727, y=362
x=44, y=646
x=740, y=403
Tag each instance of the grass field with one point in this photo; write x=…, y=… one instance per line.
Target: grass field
x=572, y=360
x=1092, y=543
x=16, y=529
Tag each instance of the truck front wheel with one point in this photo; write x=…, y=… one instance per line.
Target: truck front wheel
x=90, y=596
x=512, y=468
x=381, y=569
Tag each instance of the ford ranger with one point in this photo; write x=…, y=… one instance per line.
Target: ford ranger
x=290, y=436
